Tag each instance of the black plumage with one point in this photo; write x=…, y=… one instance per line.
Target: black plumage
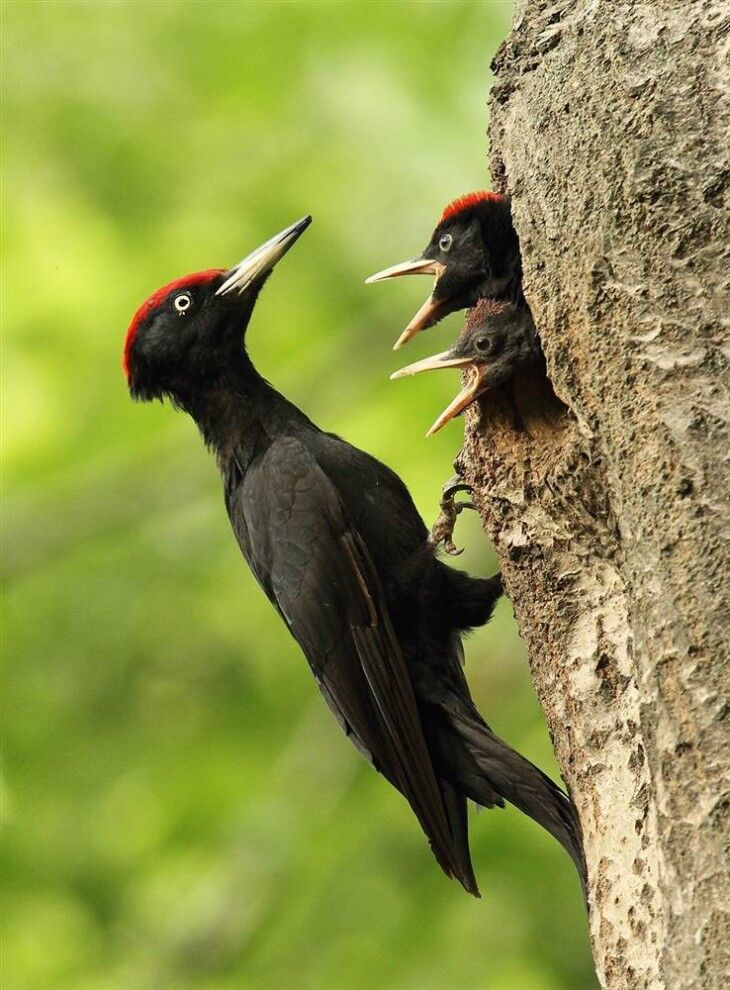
x=336, y=543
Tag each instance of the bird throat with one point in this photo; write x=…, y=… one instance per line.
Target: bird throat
x=237, y=412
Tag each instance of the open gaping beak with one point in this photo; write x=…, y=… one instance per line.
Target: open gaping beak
x=260, y=262
x=428, y=313
x=466, y=396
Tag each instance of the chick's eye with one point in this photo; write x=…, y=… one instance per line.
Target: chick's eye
x=183, y=302
x=483, y=344
x=445, y=242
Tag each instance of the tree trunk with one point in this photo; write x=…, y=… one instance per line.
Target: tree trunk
x=608, y=505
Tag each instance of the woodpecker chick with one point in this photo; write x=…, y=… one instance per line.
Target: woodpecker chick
x=473, y=254
x=336, y=543
x=498, y=339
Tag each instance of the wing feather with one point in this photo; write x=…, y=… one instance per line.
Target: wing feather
x=313, y=564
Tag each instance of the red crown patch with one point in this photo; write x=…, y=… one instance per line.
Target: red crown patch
x=470, y=199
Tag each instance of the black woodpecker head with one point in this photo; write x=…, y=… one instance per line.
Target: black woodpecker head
x=498, y=339
x=473, y=254
x=185, y=334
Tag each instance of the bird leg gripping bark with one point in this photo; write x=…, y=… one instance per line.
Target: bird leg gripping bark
x=442, y=531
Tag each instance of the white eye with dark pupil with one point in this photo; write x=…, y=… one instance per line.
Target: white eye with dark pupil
x=445, y=242
x=183, y=302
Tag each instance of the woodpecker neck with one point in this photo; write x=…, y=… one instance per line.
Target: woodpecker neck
x=239, y=412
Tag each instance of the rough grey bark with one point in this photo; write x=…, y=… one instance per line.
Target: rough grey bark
x=609, y=505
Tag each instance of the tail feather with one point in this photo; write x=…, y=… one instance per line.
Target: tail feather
x=485, y=767
x=456, y=812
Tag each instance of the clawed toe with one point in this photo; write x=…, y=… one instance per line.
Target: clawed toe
x=442, y=531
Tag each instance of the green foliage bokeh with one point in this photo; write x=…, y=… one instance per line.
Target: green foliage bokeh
x=182, y=811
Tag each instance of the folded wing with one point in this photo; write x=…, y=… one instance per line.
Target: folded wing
x=317, y=570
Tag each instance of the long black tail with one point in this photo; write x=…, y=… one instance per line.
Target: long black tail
x=490, y=772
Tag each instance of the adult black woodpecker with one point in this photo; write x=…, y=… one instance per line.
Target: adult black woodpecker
x=498, y=339
x=336, y=543
x=473, y=254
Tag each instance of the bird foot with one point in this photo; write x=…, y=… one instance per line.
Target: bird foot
x=442, y=531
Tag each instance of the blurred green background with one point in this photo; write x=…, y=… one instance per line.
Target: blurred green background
x=182, y=811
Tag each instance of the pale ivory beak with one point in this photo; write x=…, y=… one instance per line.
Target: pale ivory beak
x=422, y=319
x=432, y=363
x=427, y=312
x=419, y=266
x=262, y=260
x=465, y=397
